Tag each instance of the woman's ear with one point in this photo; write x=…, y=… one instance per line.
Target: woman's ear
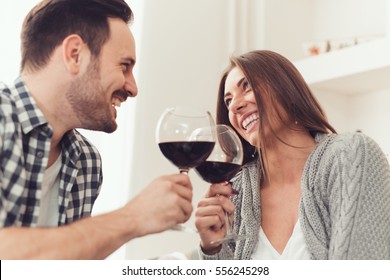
x=74, y=49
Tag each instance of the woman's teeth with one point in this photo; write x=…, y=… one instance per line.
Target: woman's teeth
x=250, y=120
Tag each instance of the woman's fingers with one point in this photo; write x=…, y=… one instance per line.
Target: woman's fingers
x=222, y=201
x=224, y=189
x=215, y=211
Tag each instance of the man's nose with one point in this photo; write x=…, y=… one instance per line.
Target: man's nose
x=131, y=87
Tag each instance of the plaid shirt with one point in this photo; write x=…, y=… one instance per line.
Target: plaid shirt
x=24, y=151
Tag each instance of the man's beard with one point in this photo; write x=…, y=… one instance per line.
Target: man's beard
x=88, y=101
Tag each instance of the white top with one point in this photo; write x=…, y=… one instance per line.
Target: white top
x=48, y=209
x=295, y=248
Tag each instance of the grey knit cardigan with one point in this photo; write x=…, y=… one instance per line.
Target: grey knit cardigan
x=344, y=210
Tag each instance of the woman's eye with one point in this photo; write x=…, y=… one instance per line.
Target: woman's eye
x=246, y=85
x=227, y=102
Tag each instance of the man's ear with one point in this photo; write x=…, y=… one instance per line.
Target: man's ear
x=74, y=49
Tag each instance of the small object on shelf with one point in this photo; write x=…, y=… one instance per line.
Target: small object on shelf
x=339, y=44
x=320, y=47
x=316, y=48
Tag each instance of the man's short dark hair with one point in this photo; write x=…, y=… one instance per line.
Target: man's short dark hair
x=51, y=21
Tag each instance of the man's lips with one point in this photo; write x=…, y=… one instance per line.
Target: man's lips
x=118, y=98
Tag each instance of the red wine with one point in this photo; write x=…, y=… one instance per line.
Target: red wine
x=186, y=155
x=216, y=172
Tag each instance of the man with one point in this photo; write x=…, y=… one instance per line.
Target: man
x=77, y=63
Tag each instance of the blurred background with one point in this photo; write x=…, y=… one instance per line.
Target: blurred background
x=342, y=48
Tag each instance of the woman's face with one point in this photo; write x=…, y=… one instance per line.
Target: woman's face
x=241, y=103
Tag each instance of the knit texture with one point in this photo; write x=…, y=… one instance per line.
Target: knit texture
x=345, y=204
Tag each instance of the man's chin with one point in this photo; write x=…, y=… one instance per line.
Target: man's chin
x=111, y=128
x=106, y=127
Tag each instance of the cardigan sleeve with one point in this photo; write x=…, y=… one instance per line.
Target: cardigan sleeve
x=359, y=199
x=226, y=253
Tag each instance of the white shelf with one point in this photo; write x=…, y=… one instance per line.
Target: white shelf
x=359, y=69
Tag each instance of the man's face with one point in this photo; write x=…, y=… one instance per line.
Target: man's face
x=107, y=82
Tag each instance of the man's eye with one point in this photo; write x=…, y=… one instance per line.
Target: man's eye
x=125, y=67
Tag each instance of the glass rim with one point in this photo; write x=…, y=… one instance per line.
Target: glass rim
x=188, y=111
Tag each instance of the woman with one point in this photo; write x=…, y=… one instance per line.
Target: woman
x=308, y=193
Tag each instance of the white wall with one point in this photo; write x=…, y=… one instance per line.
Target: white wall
x=336, y=109
x=11, y=21
x=340, y=19
x=290, y=23
x=286, y=26
x=370, y=113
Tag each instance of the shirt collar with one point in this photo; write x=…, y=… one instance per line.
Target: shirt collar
x=30, y=116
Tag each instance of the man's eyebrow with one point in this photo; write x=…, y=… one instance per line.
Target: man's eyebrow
x=238, y=85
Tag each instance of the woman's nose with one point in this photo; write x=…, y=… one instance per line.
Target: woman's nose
x=237, y=104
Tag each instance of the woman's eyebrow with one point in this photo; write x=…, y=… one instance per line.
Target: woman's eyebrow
x=240, y=81
x=237, y=85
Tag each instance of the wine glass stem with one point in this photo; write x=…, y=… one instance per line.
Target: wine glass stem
x=228, y=227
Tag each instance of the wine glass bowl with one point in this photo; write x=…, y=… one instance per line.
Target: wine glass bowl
x=186, y=154
x=225, y=159
x=180, y=138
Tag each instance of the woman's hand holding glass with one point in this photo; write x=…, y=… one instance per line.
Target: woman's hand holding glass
x=211, y=216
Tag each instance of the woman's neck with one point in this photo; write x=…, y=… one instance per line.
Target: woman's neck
x=285, y=161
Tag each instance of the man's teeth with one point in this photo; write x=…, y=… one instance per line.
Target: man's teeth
x=249, y=120
x=116, y=102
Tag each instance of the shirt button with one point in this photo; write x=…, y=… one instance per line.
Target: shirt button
x=40, y=154
x=30, y=209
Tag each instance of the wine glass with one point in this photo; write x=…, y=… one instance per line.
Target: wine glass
x=180, y=137
x=222, y=164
